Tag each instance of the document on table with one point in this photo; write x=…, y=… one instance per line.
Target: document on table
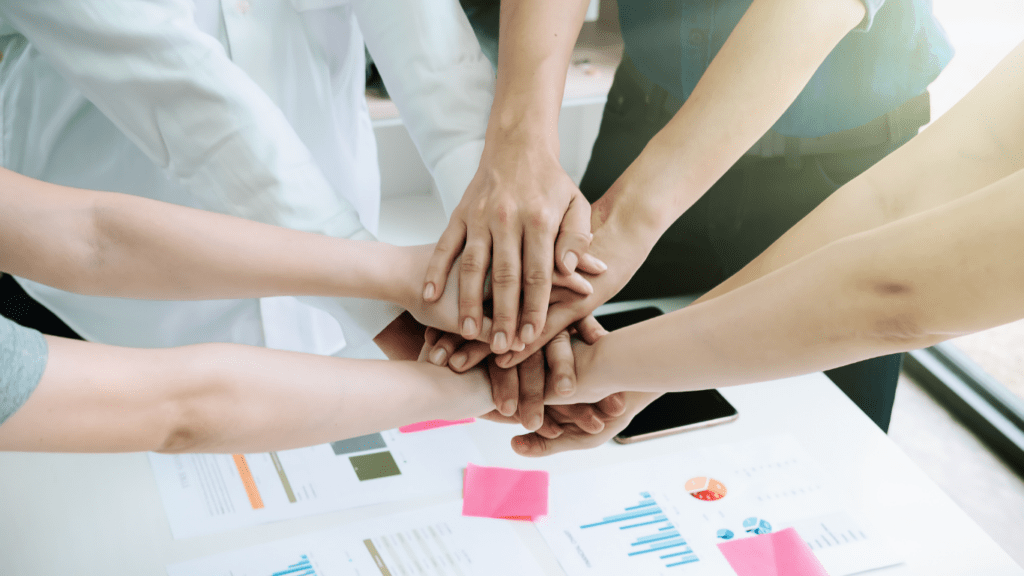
x=207, y=493
x=432, y=541
x=665, y=516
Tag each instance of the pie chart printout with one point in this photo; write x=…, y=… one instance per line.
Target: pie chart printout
x=706, y=488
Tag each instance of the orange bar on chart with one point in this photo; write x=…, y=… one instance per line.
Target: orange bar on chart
x=248, y=482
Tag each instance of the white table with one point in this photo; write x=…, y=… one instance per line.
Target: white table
x=101, y=514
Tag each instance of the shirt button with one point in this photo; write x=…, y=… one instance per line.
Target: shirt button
x=242, y=6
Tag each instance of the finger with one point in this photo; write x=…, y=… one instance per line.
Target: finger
x=561, y=365
x=495, y=416
x=531, y=392
x=506, y=280
x=573, y=235
x=504, y=388
x=575, y=282
x=589, y=329
x=550, y=429
x=444, y=347
x=592, y=264
x=424, y=355
x=538, y=265
x=559, y=317
x=535, y=445
x=613, y=406
x=476, y=258
x=440, y=265
x=468, y=355
x=586, y=417
x=431, y=335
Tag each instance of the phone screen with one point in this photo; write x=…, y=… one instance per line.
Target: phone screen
x=675, y=409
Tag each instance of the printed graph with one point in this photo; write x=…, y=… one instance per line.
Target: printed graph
x=652, y=533
x=368, y=466
x=300, y=568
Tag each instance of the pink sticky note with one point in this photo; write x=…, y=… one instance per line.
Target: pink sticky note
x=505, y=493
x=431, y=424
x=782, y=553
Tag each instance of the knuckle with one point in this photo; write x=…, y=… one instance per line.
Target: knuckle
x=575, y=238
x=506, y=212
x=537, y=276
x=468, y=302
x=541, y=218
x=504, y=317
x=472, y=262
x=504, y=274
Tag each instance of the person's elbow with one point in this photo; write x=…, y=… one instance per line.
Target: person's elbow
x=195, y=411
x=897, y=318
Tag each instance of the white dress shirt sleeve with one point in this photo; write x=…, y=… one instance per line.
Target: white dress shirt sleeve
x=176, y=94
x=439, y=79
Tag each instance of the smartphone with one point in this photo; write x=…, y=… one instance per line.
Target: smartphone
x=674, y=412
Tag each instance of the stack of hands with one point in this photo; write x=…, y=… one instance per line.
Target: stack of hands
x=511, y=287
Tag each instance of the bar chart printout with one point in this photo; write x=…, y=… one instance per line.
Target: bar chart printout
x=301, y=568
x=651, y=533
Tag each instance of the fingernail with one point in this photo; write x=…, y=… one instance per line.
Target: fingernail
x=500, y=343
x=570, y=260
x=534, y=424
x=518, y=347
x=458, y=359
x=591, y=235
x=508, y=408
x=526, y=334
x=468, y=327
x=564, y=386
x=600, y=264
x=428, y=291
x=588, y=286
x=437, y=356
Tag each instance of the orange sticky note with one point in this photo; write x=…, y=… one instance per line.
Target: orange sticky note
x=782, y=553
x=431, y=424
x=505, y=493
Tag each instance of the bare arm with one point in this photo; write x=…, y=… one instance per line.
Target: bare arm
x=912, y=283
x=521, y=215
x=108, y=244
x=226, y=398
x=978, y=141
x=741, y=95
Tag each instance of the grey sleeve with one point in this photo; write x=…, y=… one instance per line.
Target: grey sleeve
x=23, y=355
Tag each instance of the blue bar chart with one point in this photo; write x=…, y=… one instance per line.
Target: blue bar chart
x=652, y=533
x=301, y=568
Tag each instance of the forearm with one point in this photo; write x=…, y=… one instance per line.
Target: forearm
x=535, y=43
x=959, y=153
x=226, y=398
x=741, y=95
x=119, y=245
x=901, y=286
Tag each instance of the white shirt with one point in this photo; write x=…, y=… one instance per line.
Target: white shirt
x=249, y=107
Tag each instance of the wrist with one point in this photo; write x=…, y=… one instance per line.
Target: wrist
x=464, y=395
x=647, y=198
x=523, y=129
x=398, y=276
x=590, y=370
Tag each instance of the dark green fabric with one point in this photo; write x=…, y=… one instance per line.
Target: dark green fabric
x=753, y=204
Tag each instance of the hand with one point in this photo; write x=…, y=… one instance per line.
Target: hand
x=443, y=312
x=524, y=208
x=519, y=392
x=571, y=428
x=624, y=250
